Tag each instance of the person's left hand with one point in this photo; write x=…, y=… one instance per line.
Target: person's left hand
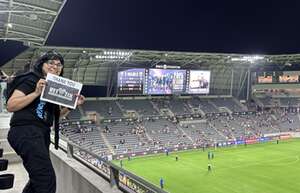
x=80, y=100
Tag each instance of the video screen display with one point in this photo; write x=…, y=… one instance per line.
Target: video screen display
x=264, y=79
x=289, y=78
x=165, y=81
x=198, y=82
x=131, y=81
x=276, y=77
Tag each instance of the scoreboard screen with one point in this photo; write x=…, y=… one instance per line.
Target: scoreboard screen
x=276, y=77
x=131, y=81
x=165, y=81
x=264, y=79
x=198, y=82
x=157, y=81
x=289, y=77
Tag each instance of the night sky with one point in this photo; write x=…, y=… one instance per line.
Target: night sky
x=252, y=27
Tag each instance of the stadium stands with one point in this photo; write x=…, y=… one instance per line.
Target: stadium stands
x=165, y=133
x=75, y=114
x=125, y=137
x=207, y=106
x=289, y=102
x=147, y=108
x=150, y=131
x=203, y=133
x=179, y=107
x=87, y=136
x=105, y=108
x=229, y=103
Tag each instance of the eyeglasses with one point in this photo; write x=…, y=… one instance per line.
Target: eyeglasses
x=52, y=63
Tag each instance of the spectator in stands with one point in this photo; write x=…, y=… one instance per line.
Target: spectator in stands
x=122, y=141
x=106, y=129
x=29, y=134
x=110, y=110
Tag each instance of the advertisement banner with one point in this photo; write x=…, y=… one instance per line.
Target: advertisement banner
x=285, y=136
x=251, y=141
x=264, y=139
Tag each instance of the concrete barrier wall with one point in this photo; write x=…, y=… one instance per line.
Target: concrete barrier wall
x=74, y=177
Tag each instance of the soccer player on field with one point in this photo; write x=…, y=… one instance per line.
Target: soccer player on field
x=209, y=167
x=161, y=182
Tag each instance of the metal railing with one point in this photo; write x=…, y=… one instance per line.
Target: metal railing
x=116, y=175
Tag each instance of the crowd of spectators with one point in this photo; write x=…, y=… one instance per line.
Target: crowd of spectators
x=162, y=133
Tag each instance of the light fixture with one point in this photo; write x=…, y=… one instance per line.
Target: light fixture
x=33, y=16
x=113, y=55
x=250, y=59
x=9, y=25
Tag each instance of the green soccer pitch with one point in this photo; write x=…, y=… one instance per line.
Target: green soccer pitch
x=260, y=168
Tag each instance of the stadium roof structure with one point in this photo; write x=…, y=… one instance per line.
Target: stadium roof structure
x=28, y=21
x=98, y=66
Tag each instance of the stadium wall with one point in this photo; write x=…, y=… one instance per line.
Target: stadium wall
x=296, y=135
x=73, y=177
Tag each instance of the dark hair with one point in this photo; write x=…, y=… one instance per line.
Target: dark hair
x=49, y=55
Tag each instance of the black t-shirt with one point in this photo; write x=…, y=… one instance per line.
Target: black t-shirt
x=38, y=112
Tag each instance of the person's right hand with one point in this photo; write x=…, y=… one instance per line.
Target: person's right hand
x=39, y=86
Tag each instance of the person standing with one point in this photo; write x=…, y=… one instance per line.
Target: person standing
x=162, y=183
x=209, y=167
x=29, y=133
x=167, y=152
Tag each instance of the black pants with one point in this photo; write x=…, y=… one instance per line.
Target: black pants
x=32, y=144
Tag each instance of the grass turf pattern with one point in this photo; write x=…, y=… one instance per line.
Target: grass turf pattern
x=259, y=168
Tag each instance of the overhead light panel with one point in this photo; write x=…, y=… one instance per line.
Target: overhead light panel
x=114, y=55
x=250, y=59
x=33, y=16
x=9, y=25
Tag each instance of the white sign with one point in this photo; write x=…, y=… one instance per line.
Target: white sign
x=61, y=91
